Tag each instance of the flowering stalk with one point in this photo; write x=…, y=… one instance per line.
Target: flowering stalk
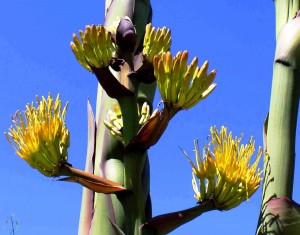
x=116, y=198
x=114, y=54
x=109, y=210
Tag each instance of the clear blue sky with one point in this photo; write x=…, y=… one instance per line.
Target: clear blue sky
x=236, y=36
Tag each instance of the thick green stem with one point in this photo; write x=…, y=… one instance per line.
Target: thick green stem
x=109, y=210
x=129, y=110
x=108, y=152
x=281, y=131
x=134, y=164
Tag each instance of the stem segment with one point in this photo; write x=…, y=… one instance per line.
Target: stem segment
x=134, y=164
x=282, y=123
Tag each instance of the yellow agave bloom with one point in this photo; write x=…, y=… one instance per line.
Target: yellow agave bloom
x=182, y=86
x=40, y=135
x=114, y=122
x=225, y=173
x=95, y=47
x=156, y=41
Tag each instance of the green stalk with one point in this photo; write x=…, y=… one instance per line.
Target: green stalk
x=104, y=208
x=111, y=211
x=134, y=164
x=108, y=151
x=281, y=130
x=282, y=122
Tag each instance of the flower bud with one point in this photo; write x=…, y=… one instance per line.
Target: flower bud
x=126, y=36
x=182, y=86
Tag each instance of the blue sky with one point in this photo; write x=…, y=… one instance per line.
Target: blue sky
x=238, y=39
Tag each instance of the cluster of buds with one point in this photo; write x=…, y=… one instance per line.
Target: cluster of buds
x=114, y=120
x=182, y=86
x=40, y=135
x=225, y=173
x=95, y=48
x=156, y=41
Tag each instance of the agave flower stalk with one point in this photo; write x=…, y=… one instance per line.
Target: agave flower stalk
x=113, y=54
x=281, y=125
x=105, y=214
x=116, y=197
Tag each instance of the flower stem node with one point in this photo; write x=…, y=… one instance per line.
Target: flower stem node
x=40, y=135
x=182, y=86
x=225, y=173
x=151, y=130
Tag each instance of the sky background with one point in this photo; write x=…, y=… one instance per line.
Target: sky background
x=236, y=36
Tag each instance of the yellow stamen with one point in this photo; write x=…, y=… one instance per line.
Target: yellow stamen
x=40, y=135
x=226, y=170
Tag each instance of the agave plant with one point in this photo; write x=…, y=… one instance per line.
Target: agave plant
x=130, y=58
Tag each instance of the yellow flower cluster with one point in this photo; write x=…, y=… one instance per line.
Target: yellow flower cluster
x=40, y=135
x=95, y=47
x=156, y=41
x=182, y=86
x=225, y=173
